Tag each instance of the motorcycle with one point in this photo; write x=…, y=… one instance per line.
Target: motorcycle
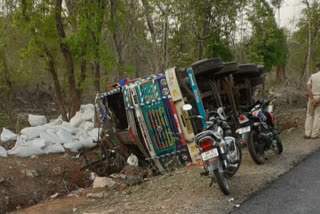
x=220, y=154
x=258, y=131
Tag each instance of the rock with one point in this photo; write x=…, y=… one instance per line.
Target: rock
x=132, y=180
x=134, y=170
x=73, y=195
x=34, y=156
x=123, y=186
x=96, y=195
x=101, y=182
x=30, y=173
x=54, y=196
x=117, y=175
x=57, y=171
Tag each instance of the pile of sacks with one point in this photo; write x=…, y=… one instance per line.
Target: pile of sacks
x=55, y=136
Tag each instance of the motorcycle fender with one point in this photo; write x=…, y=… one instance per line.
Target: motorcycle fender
x=213, y=164
x=245, y=137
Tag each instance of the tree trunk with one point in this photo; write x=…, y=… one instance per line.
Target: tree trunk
x=97, y=76
x=73, y=92
x=205, y=30
x=83, y=71
x=165, y=44
x=117, y=38
x=153, y=35
x=308, y=73
x=57, y=86
x=6, y=70
x=280, y=73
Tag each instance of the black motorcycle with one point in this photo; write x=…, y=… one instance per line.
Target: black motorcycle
x=220, y=154
x=258, y=131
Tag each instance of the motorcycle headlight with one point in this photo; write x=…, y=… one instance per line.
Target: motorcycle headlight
x=165, y=91
x=163, y=82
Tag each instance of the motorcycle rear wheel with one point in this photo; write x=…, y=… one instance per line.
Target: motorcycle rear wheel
x=256, y=148
x=222, y=181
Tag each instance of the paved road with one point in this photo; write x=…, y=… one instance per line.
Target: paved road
x=298, y=191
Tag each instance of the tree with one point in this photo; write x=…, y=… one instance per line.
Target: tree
x=305, y=41
x=75, y=100
x=267, y=44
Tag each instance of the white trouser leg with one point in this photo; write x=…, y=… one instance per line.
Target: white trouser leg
x=309, y=120
x=316, y=122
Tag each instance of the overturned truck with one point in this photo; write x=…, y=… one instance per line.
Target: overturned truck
x=144, y=116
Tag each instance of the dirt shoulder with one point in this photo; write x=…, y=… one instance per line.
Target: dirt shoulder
x=185, y=191
x=27, y=181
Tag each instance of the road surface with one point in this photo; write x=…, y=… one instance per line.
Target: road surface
x=298, y=191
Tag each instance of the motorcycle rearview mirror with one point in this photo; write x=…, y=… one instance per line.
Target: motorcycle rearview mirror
x=220, y=112
x=187, y=107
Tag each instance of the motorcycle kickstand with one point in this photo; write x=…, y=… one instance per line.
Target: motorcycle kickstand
x=211, y=183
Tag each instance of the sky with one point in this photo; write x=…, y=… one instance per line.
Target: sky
x=290, y=13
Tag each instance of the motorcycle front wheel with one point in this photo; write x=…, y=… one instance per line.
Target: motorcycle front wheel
x=233, y=169
x=279, y=144
x=222, y=180
x=256, y=148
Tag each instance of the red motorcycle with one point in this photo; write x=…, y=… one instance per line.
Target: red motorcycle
x=258, y=131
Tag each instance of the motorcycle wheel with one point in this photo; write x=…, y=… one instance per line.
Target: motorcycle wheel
x=232, y=170
x=256, y=149
x=222, y=180
x=279, y=144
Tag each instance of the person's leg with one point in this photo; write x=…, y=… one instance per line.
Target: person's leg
x=309, y=120
x=316, y=123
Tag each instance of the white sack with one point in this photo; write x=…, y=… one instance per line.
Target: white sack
x=87, y=114
x=94, y=133
x=57, y=121
x=73, y=146
x=86, y=141
x=87, y=125
x=49, y=137
x=87, y=107
x=37, y=120
x=33, y=132
x=25, y=148
x=67, y=126
x=7, y=135
x=64, y=136
x=53, y=148
x=3, y=152
x=76, y=120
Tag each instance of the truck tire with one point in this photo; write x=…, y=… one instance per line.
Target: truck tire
x=207, y=67
x=228, y=68
x=248, y=70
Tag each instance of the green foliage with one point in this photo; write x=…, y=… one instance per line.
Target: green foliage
x=216, y=47
x=299, y=42
x=268, y=43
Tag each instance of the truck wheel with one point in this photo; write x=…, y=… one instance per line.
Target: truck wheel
x=207, y=67
x=247, y=71
x=228, y=68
